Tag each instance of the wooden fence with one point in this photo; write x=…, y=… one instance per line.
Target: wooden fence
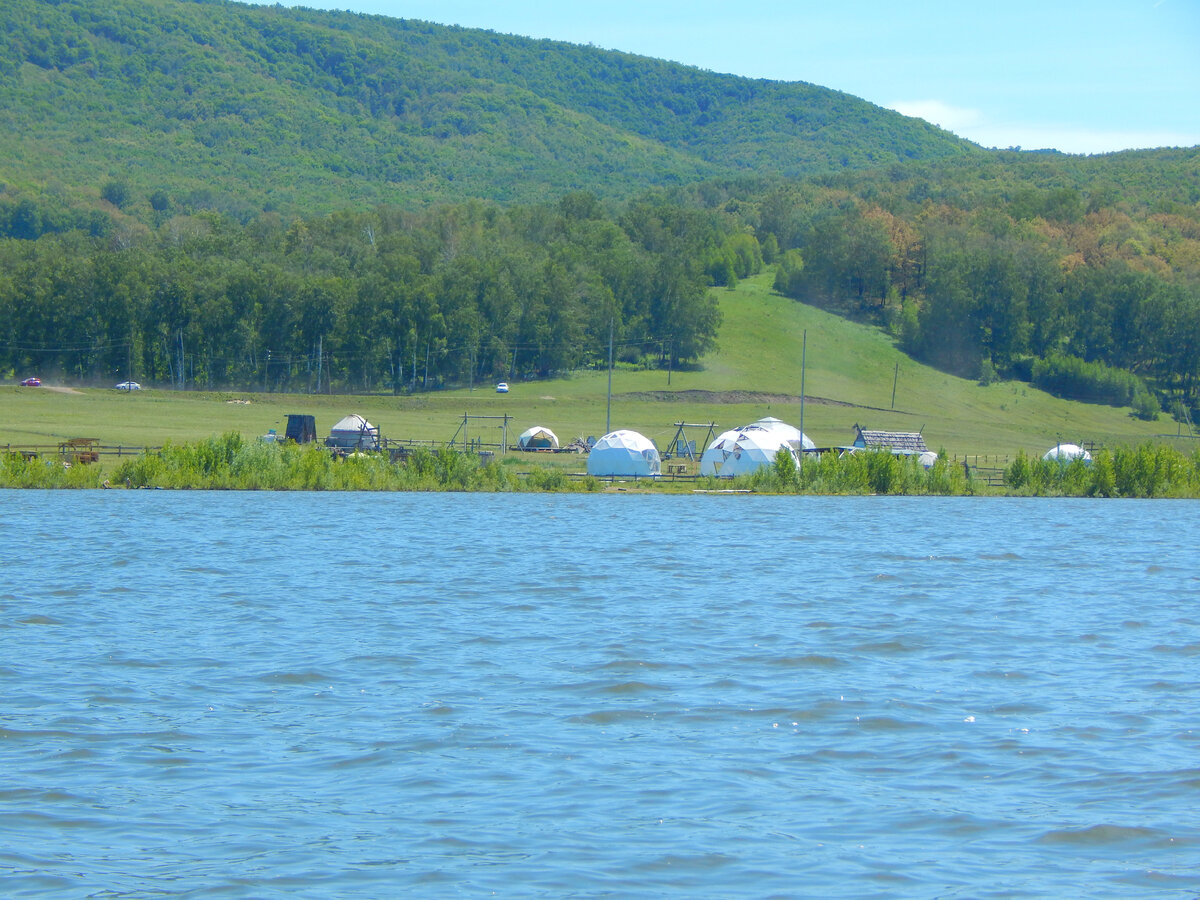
x=75, y=450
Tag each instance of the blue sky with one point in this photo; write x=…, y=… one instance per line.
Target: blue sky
x=1082, y=77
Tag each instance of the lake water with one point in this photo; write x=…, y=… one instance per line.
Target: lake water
x=453, y=695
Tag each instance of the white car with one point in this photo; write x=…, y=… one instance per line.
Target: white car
x=129, y=386
x=502, y=387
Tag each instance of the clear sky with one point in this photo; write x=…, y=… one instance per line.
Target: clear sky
x=1081, y=77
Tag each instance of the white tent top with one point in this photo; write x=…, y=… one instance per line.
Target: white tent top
x=790, y=433
x=1067, y=452
x=742, y=451
x=624, y=453
x=354, y=424
x=537, y=436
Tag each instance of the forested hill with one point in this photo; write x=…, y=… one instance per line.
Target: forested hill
x=182, y=105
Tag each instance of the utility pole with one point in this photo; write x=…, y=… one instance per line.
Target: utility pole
x=803, y=361
x=608, y=412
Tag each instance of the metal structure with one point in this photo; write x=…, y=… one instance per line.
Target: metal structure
x=464, y=427
x=681, y=446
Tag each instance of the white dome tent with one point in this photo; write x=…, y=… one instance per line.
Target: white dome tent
x=538, y=438
x=1066, y=453
x=624, y=453
x=742, y=451
x=794, y=436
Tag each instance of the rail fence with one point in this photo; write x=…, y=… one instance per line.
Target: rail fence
x=76, y=450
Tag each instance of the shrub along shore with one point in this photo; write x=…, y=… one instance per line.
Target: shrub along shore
x=230, y=462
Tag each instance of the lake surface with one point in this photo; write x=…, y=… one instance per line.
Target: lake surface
x=448, y=695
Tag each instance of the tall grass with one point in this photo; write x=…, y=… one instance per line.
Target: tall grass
x=229, y=462
x=16, y=471
x=1145, y=471
x=869, y=472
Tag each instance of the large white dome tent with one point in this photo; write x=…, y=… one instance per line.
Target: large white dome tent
x=742, y=451
x=794, y=436
x=624, y=452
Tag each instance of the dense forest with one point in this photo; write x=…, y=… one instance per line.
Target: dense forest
x=368, y=301
x=180, y=106
x=1043, y=267
x=202, y=194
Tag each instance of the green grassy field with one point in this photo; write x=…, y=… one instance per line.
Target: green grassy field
x=756, y=372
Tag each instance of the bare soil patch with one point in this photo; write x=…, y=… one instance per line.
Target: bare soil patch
x=733, y=397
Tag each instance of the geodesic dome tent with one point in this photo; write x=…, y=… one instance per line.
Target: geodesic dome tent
x=1066, y=453
x=742, y=451
x=789, y=433
x=624, y=453
x=538, y=438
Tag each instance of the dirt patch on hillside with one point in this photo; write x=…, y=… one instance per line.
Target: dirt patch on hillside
x=60, y=390
x=730, y=397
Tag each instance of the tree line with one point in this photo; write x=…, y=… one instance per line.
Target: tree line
x=381, y=300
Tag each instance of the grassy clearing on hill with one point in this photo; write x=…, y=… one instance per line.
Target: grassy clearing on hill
x=756, y=372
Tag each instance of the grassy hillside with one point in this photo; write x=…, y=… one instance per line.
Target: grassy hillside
x=167, y=106
x=757, y=371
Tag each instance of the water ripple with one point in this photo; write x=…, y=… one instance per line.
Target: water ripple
x=950, y=689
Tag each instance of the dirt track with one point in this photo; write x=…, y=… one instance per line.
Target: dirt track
x=735, y=397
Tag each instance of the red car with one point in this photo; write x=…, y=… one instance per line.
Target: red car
x=31, y=382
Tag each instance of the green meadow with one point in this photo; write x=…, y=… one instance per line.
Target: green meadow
x=850, y=373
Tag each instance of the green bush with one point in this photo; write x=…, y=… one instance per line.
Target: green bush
x=1094, y=382
x=1146, y=407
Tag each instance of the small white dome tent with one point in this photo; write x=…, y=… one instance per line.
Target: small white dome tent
x=928, y=459
x=1066, y=453
x=538, y=438
x=742, y=451
x=624, y=453
x=794, y=436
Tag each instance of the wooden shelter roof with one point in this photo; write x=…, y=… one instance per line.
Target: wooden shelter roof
x=911, y=441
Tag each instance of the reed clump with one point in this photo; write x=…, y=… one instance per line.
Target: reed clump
x=866, y=472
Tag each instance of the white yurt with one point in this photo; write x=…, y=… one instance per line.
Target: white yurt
x=789, y=433
x=928, y=458
x=353, y=433
x=624, y=453
x=538, y=438
x=1067, y=453
x=742, y=451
